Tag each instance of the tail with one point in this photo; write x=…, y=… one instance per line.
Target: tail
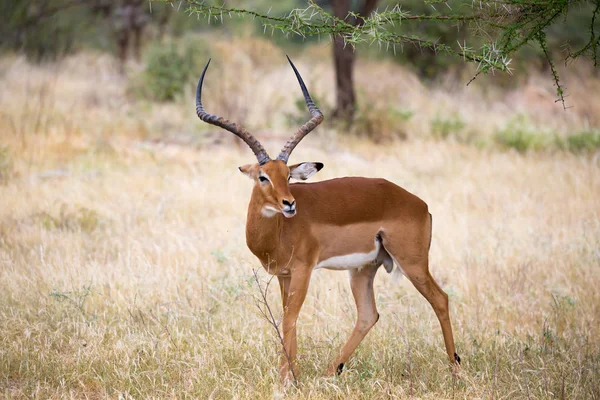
x=430, y=230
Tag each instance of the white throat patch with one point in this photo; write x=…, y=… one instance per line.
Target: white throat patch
x=268, y=211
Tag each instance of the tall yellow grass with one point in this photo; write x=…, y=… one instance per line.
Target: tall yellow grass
x=124, y=271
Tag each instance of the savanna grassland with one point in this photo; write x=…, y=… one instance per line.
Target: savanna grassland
x=123, y=266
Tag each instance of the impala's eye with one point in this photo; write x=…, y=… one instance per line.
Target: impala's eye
x=289, y=177
x=263, y=179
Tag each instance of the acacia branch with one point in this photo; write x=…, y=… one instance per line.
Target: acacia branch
x=594, y=40
x=505, y=26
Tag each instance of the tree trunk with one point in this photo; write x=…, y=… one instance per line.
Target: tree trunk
x=344, y=83
x=343, y=57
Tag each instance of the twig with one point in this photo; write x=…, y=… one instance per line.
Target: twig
x=271, y=319
x=494, y=381
x=541, y=38
x=523, y=370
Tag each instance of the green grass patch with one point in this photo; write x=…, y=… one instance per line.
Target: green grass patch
x=581, y=142
x=81, y=219
x=443, y=127
x=521, y=136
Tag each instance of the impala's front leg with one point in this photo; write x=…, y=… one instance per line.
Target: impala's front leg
x=293, y=291
x=361, y=282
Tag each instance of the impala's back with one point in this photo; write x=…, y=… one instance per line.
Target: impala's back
x=352, y=217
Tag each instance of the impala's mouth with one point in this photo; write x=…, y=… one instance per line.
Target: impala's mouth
x=289, y=212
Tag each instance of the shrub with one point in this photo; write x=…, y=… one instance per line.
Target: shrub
x=169, y=67
x=583, y=141
x=381, y=122
x=519, y=135
x=444, y=127
x=81, y=219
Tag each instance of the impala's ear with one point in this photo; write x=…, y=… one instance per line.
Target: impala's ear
x=250, y=170
x=305, y=170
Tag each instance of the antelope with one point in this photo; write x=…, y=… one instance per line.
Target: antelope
x=354, y=224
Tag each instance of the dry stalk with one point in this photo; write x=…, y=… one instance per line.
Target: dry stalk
x=523, y=371
x=265, y=309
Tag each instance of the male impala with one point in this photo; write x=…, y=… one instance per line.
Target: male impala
x=354, y=224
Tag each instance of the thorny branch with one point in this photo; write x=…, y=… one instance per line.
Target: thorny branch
x=505, y=26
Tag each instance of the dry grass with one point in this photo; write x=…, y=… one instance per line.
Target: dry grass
x=124, y=271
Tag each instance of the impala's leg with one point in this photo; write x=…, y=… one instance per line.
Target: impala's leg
x=419, y=275
x=410, y=248
x=284, y=286
x=293, y=300
x=361, y=282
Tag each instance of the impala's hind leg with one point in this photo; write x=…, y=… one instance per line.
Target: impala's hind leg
x=428, y=287
x=361, y=282
x=411, y=253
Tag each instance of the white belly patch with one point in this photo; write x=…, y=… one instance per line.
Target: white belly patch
x=359, y=260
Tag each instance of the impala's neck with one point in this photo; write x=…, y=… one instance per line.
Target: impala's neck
x=263, y=229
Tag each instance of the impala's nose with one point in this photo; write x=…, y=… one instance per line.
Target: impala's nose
x=289, y=208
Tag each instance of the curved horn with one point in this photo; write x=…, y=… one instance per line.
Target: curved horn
x=317, y=118
x=238, y=130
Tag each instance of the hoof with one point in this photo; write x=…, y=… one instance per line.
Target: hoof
x=457, y=358
x=340, y=368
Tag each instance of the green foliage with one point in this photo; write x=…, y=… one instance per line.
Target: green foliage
x=444, y=127
x=583, y=141
x=430, y=36
x=50, y=29
x=166, y=72
x=519, y=135
x=169, y=67
x=80, y=220
x=427, y=62
x=380, y=122
x=75, y=298
x=499, y=31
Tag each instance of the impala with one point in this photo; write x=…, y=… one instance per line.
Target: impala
x=353, y=224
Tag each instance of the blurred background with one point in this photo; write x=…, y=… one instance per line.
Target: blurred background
x=151, y=54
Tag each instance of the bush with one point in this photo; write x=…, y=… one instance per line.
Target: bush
x=444, y=127
x=583, y=142
x=520, y=136
x=81, y=219
x=381, y=122
x=169, y=67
